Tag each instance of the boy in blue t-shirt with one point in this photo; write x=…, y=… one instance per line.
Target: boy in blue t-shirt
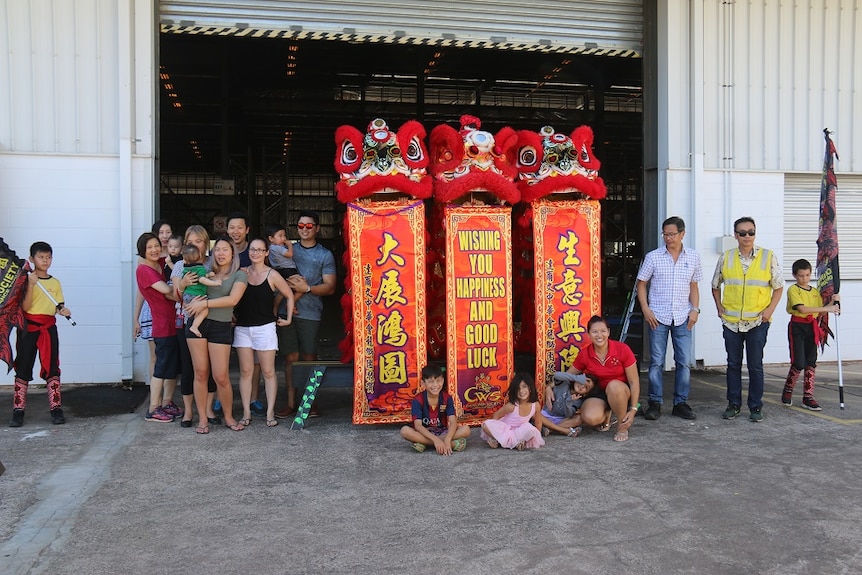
x=434, y=420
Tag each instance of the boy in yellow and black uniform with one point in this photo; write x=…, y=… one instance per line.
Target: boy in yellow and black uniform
x=39, y=335
x=804, y=304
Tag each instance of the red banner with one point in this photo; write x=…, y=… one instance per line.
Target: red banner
x=479, y=309
x=387, y=245
x=568, y=280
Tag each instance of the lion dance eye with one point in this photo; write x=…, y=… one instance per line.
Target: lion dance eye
x=348, y=153
x=585, y=156
x=527, y=156
x=414, y=150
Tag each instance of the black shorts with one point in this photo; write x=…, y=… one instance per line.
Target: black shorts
x=167, y=357
x=212, y=331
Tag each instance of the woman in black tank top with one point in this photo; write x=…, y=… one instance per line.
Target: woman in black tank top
x=255, y=328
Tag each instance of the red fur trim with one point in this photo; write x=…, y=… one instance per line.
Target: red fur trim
x=446, y=148
x=347, y=134
x=405, y=135
x=506, y=145
x=371, y=185
x=593, y=189
x=583, y=135
x=494, y=183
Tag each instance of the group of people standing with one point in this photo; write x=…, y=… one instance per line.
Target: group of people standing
x=201, y=301
x=602, y=386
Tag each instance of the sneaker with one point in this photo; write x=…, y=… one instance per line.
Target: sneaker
x=653, y=411
x=811, y=403
x=787, y=397
x=756, y=415
x=420, y=447
x=459, y=444
x=57, y=417
x=173, y=409
x=159, y=416
x=257, y=409
x=217, y=407
x=683, y=410
x=731, y=412
x=17, y=418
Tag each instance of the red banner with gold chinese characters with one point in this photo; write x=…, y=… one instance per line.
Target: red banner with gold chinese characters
x=387, y=245
x=568, y=280
x=479, y=356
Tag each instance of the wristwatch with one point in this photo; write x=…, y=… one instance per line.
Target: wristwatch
x=308, y=290
x=697, y=309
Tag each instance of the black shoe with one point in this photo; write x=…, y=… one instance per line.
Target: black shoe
x=683, y=410
x=731, y=412
x=17, y=418
x=57, y=417
x=653, y=412
x=186, y=423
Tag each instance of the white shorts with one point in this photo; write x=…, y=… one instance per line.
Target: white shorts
x=257, y=337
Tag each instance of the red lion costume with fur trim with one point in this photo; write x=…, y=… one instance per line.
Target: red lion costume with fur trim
x=379, y=161
x=548, y=163
x=472, y=167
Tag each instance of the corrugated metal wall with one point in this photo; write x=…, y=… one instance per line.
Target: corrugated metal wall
x=801, y=218
x=59, y=76
x=555, y=23
x=790, y=69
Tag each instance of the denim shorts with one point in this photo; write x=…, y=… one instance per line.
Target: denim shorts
x=212, y=331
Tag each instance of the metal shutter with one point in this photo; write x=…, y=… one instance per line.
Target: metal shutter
x=611, y=27
x=801, y=214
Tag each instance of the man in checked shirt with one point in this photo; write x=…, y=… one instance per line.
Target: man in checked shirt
x=671, y=307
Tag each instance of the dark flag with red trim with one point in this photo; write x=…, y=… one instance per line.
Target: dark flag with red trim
x=13, y=285
x=828, y=278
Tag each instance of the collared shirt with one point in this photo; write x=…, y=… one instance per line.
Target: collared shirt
x=776, y=282
x=670, y=283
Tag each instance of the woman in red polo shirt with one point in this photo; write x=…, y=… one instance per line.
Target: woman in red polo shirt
x=615, y=366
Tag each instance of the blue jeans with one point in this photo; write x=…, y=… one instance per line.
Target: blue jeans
x=680, y=336
x=754, y=341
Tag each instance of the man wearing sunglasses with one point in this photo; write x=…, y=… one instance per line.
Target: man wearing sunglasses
x=753, y=285
x=670, y=307
x=317, y=277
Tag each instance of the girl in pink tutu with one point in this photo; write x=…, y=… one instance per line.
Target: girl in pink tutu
x=510, y=427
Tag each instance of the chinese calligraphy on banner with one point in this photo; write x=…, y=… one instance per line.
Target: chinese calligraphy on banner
x=387, y=245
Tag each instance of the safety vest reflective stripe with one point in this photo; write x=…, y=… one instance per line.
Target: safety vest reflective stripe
x=746, y=295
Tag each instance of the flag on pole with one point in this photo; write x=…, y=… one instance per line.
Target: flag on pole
x=828, y=278
x=13, y=286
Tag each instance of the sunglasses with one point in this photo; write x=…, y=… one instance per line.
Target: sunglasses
x=744, y=233
x=305, y=226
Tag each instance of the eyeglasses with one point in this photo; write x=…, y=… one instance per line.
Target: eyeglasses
x=256, y=250
x=305, y=226
x=670, y=234
x=744, y=233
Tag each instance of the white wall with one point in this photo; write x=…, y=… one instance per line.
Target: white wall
x=72, y=203
x=761, y=196
x=77, y=126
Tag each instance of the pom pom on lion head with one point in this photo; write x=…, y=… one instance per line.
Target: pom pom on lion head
x=473, y=160
x=551, y=163
x=380, y=159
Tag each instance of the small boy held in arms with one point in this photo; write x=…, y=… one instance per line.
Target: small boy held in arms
x=175, y=247
x=192, y=255
x=39, y=335
x=804, y=304
x=280, y=251
x=434, y=420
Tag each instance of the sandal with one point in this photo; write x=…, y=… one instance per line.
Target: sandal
x=245, y=422
x=575, y=431
x=621, y=435
x=238, y=426
x=271, y=422
x=493, y=444
x=520, y=446
x=202, y=430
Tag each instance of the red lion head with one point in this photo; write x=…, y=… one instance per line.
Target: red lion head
x=472, y=159
x=549, y=163
x=381, y=159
